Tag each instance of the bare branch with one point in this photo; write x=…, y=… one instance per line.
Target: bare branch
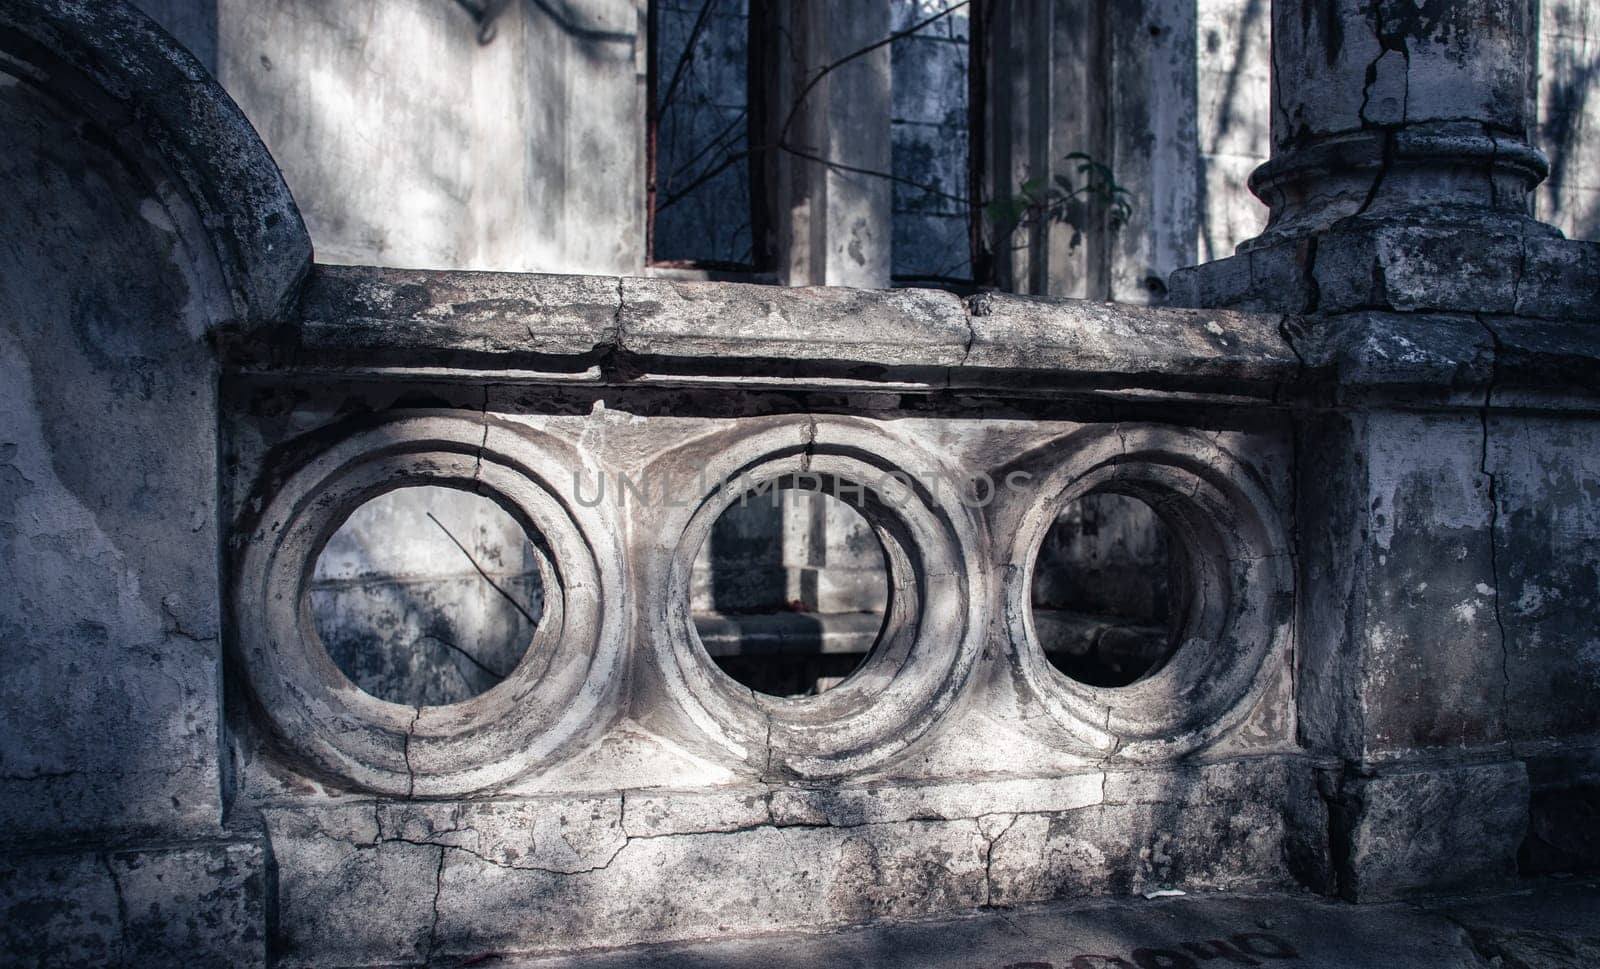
x=687, y=56
x=716, y=141
x=783, y=132
x=493, y=584
x=468, y=656
x=841, y=166
x=706, y=176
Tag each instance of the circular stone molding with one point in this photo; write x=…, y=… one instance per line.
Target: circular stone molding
x=1228, y=530
x=558, y=695
x=933, y=625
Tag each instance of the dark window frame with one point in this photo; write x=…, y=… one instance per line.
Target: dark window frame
x=761, y=82
x=758, y=84
x=980, y=258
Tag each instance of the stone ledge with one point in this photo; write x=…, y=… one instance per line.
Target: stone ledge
x=640, y=332
x=1446, y=360
x=622, y=329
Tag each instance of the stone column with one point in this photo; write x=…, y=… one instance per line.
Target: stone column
x=1440, y=327
x=1395, y=110
x=1400, y=143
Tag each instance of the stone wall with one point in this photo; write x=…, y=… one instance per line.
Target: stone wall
x=143, y=218
x=1371, y=443
x=411, y=134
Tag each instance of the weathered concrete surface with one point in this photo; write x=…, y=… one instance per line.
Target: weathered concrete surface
x=142, y=218
x=1409, y=268
x=1384, y=108
x=460, y=880
x=1234, y=71
x=1405, y=832
x=129, y=243
x=1549, y=926
x=201, y=904
x=205, y=164
x=1401, y=170
x=833, y=223
x=599, y=327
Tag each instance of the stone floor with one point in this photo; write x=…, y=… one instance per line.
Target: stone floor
x=1542, y=924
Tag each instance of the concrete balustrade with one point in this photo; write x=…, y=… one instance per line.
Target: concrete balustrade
x=1380, y=505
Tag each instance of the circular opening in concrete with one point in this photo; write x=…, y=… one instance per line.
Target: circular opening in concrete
x=427, y=595
x=789, y=589
x=1109, y=591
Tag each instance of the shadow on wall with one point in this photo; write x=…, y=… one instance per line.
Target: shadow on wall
x=411, y=137
x=1565, y=119
x=427, y=595
x=1235, y=106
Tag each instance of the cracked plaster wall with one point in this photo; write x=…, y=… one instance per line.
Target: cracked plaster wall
x=110, y=776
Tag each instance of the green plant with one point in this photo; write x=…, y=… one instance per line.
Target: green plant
x=1061, y=199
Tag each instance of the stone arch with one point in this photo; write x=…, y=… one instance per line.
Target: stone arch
x=135, y=94
x=143, y=218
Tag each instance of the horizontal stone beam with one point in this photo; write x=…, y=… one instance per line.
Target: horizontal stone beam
x=640, y=331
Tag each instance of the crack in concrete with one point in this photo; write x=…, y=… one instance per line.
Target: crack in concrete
x=771, y=823
x=1280, y=393
x=766, y=762
x=405, y=751
x=619, y=334
x=1294, y=428
x=810, y=445
x=1288, y=339
x=173, y=626
x=1494, y=159
x=612, y=349
x=1494, y=523
x=122, y=902
x=1519, y=273
x=483, y=442
x=438, y=889
x=1388, y=42
x=977, y=305
x=988, y=857
x=43, y=775
x=1385, y=164
x=627, y=839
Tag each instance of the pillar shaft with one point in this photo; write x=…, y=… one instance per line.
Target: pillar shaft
x=1382, y=108
x=1400, y=246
